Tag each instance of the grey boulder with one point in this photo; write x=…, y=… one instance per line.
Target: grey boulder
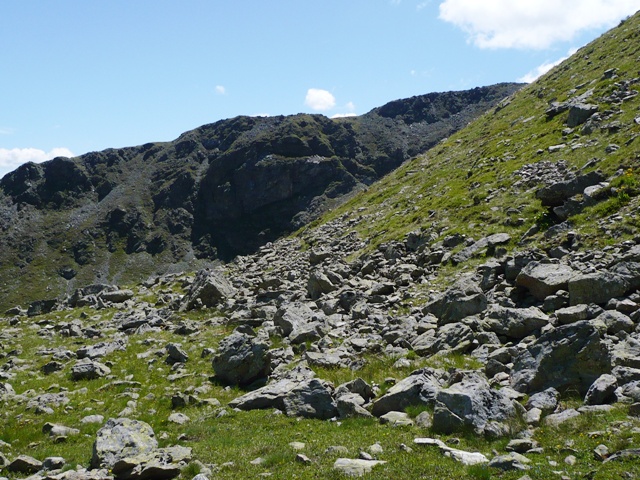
x=209, y=288
x=570, y=356
x=420, y=388
x=120, y=438
x=88, y=370
x=515, y=323
x=296, y=394
x=602, y=391
x=463, y=299
x=241, y=359
x=597, y=287
x=472, y=403
x=544, y=279
x=452, y=337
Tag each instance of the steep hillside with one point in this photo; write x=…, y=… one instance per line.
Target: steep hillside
x=581, y=117
x=216, y=191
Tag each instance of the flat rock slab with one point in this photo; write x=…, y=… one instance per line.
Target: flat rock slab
x=396, y=419
x=544, y=279
x=82, y=475
x=556, y=419
x=511, y=461
x=461, y=456
x=465, y=458
x=24, y=464
x=355, y=467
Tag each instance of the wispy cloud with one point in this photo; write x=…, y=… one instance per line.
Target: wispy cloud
x=7, y=131
x=544, y=68
x=320, y=100
x=220, y=90
x=10, y=159
x=531, y=24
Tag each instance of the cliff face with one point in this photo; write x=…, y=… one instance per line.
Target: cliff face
x=217, y=191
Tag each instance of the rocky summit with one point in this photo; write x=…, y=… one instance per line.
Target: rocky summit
x=473, y=313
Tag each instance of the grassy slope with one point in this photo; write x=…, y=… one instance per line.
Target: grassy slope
x=464, y=185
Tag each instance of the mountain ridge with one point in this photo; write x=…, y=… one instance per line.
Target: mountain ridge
x=216, y=191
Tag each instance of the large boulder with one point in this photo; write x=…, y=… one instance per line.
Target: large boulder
x=472, y=403
x=597, y=287
x=544, y=279
x=484, y=244
x=570, y=356
x=463, y=299
x=209, y=288
x=627, y=352
x=24, y=464
x=453, y=337
x=120, y=438
x=117, y=296
x=293, y=316
x=87, y=369
x=555, y=194
x=101, y=349
x=6, y=390
x=580, y=113
x=242, y=359
x=630, y=271
x=295, y=394
x=419, y=388
x=160, y=464
x=515, y=323
x=602, y=390
x=319, y=284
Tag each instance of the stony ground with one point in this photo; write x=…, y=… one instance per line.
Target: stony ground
x=514, y=347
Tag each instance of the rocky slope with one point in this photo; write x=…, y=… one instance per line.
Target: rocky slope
x=481, y=303
x=216, y=191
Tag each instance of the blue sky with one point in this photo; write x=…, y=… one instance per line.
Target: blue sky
x=85, y=75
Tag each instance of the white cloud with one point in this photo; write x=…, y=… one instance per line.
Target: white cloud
x=544, y=68
x=220, y=90
x=318, y=99
x=6, y=131
x=10, y=159
x=534, y=24
x=350, y=108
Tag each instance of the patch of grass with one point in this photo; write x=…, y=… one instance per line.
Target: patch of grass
x=458, y=361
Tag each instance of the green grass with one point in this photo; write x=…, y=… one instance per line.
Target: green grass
x=240, y=437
